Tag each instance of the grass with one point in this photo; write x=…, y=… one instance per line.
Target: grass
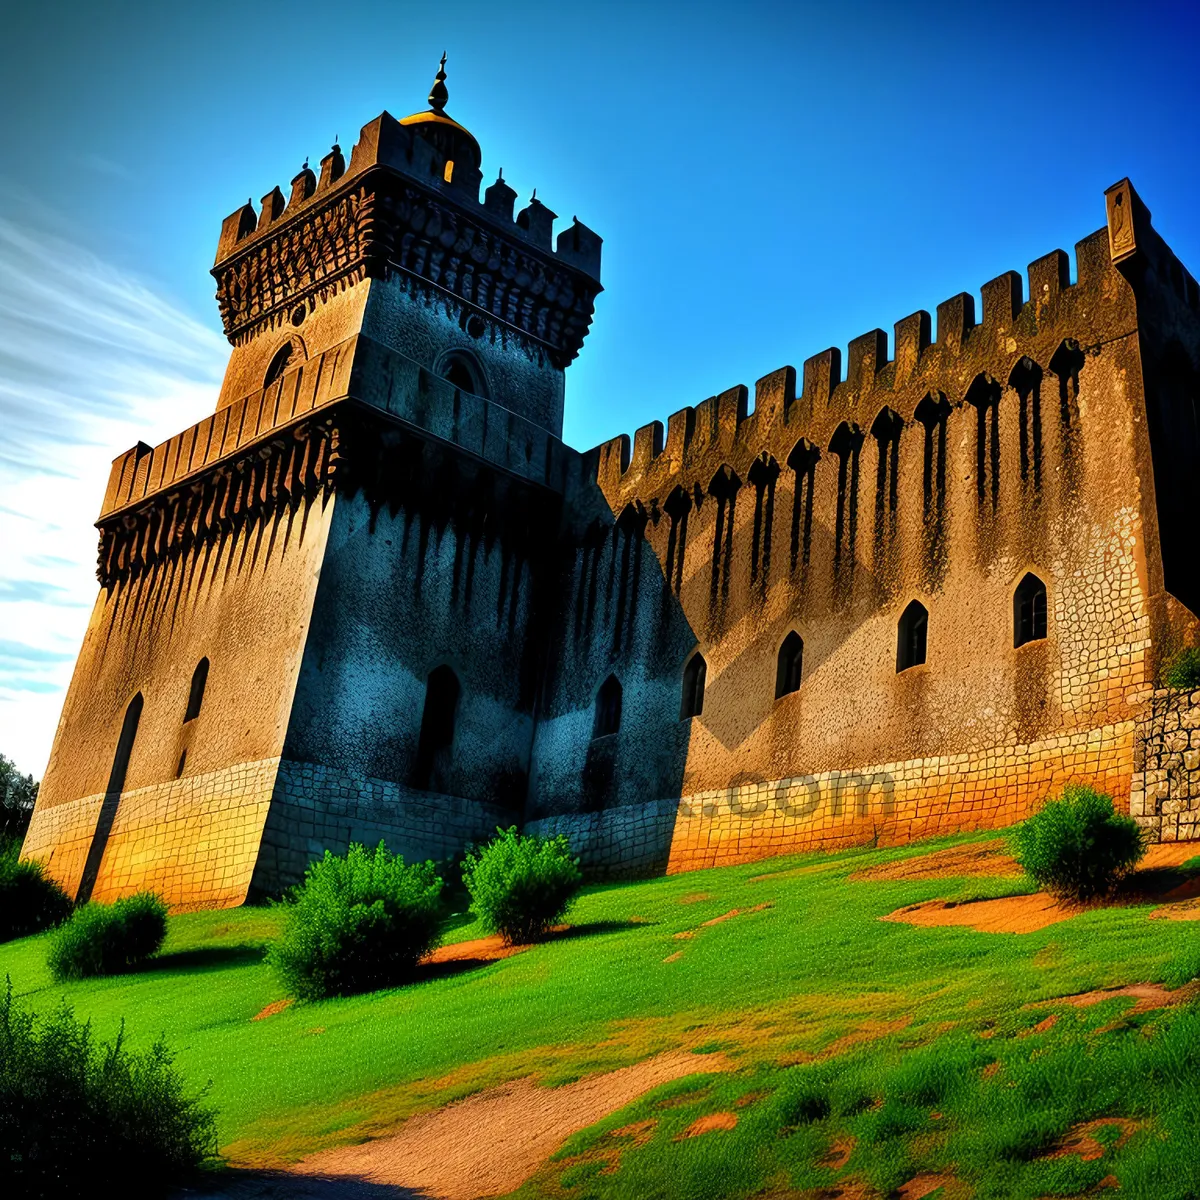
x=898, y=1012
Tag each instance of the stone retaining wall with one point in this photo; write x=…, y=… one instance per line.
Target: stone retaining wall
x=1165, y=796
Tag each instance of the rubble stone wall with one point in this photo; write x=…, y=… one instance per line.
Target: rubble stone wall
x=1165, y=795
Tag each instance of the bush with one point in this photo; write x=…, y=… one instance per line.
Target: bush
x=1078, y=847
x=1182, y=670
x=78, y=1119
x=30, y=901
x=521, y=884
x=357, y=923
x=105, y=939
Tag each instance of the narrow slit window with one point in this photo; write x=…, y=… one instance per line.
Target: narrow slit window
x=196, y=692
x=694, y=675
x=787, y=671
x=437, y=724
x=912, y=636
x=608, y=708
x=1029, y=611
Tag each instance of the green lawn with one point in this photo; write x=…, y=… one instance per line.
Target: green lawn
x=914, y=1020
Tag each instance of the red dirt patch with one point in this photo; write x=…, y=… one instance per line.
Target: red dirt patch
x=1080, y=1140
x=709, y=1123
x=640, y=1131
x=926, y=1185
x=734, y=912
x=276, y=1006
x=695, y=897
x=674, y=957
x=490, y=1143
x=484, y=949
x=992, y=1069
x=839, y=1152
x=1042, y=1026
x=1007, y=914
x=1148, y=997
x=1170, y=854
x=1187, y=910
x=687, y=934
x=976, y=859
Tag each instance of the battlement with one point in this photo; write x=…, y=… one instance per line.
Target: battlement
x=387, y=143
x=1022, y=316
x=358, y=370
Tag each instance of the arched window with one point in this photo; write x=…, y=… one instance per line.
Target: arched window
x=694, y=675
x=911, y=636
x=1029, y=611
x=461, y=369
x=280, y=363
x=608, y=708
x=787, y=671
x=437, y=724
x=196, y=694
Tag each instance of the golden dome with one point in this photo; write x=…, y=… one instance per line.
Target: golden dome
x=452, y=140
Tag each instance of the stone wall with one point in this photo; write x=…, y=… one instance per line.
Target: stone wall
x=192, y=840
x=1165, y=796
x=885, y=804
x=315, y=808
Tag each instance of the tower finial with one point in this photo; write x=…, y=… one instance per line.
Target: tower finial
x=438, y=94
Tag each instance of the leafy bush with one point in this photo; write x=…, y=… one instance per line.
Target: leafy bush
x=521, y=884
x=358, y=922
x=81, y=1119
x=1182, y=670
x=30, y=901
x=105, y=939
x=1078, y=847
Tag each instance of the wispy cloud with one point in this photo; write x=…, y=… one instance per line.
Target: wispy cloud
x=91, y=360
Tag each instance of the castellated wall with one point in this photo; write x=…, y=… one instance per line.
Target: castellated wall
x=944, y=474
x=243, y=601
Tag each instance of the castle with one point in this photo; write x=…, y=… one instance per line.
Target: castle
x=374, y=595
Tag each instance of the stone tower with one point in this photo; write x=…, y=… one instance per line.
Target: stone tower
x=315, y=607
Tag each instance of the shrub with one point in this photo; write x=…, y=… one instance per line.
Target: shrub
x=521, y=884
x=30, y=901
x=1182, y=670
x=1078, y=847
x=358, y=922
x=105, y=939
x=81, y=1119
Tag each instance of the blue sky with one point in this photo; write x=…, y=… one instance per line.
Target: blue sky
x=769, y=179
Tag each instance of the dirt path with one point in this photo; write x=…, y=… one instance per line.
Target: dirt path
x=490, y=1143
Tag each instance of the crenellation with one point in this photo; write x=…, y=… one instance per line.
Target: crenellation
x=333, y=167
x=272, y=208
x=912, y=337
x=1003, y=300
x=955, y=320
x=1049, y=276
x=647, y=446
x=304, y=185
x=822, y=374
x=867, y=356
